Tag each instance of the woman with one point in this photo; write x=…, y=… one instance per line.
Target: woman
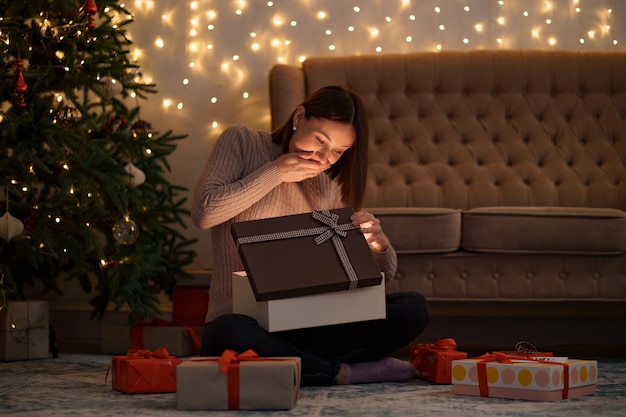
x=316, y=160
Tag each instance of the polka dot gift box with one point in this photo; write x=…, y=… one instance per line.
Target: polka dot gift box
x=501, y=377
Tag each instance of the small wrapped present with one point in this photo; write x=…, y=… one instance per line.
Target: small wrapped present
x=189, y=305
x=433, y=361
x=238, y=382
x=178, y=340
x=25, y=331
x=334, y=253
x=496, y=375
x=143, y=371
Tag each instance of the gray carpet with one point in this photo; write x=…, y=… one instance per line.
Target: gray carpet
x=74, y=385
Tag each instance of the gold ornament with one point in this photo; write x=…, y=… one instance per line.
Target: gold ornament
x=10, y=226
x=135, y=176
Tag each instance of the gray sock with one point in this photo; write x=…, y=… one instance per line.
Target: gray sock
x=384, y=370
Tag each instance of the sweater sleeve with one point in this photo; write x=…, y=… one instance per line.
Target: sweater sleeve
x=237, y=174
x=387, y=262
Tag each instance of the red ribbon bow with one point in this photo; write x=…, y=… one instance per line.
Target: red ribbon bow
x=483, y=385
x=230, y=358
x=441, y=344
x=160, y=353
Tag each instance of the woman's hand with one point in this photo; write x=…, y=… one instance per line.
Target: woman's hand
x=371, y=229
x=298, y=166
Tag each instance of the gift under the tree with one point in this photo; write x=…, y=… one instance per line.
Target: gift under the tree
x=24, y=330
x=433, y=361
x=305, y=254
x=547, y=379
x=178, y=340
x=238, y=382
x=143, y=371
x=189, y=305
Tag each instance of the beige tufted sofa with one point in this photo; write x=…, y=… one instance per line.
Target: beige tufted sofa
x=500, y=177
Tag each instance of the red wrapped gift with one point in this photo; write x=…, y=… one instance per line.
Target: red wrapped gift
x=189, y=305
x=433, y=361
x=144, y=371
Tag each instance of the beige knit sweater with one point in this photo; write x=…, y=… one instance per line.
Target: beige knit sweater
x=239, y=182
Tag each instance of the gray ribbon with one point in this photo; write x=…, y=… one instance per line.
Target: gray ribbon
x=333, y=231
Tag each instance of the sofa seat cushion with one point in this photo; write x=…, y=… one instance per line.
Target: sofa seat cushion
x=420, y=230
x=564, y=230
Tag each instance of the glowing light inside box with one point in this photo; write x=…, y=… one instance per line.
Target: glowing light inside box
x=228, y=46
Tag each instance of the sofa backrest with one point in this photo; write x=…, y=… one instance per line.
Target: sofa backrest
x=472, y=129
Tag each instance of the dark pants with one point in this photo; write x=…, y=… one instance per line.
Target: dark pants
x=322, y=349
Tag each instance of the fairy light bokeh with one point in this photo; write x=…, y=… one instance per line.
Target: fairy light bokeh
x=210, y=58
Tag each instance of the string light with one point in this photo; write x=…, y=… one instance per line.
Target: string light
x=232, y=64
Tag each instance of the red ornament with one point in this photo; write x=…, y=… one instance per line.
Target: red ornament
x=91, y=9
x=20, y=84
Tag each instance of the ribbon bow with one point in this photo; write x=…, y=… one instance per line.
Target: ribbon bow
x=499, y=357
x=160, y=353
x=441, y=344
x=230, y=358
x=332, y=221
x=481, y=367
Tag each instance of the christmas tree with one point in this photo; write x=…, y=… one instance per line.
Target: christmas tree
x=83, y=194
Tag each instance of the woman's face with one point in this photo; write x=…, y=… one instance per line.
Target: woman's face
x=324, y=140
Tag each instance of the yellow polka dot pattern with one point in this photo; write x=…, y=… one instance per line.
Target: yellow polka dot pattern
x=526, y=375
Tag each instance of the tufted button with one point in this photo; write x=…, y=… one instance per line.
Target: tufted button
x=495, y=275
x=595, y=275
x=562, y=275
x=430, y=276
x=463, y=275
x=529, y=275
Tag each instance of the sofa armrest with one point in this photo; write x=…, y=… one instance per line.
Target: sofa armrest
x=286, y=90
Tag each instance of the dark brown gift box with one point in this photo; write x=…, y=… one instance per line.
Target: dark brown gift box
x=284, y=265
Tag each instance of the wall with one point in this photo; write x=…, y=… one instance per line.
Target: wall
x=210, y=58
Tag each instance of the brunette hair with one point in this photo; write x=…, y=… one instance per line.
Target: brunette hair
x=344, y=106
